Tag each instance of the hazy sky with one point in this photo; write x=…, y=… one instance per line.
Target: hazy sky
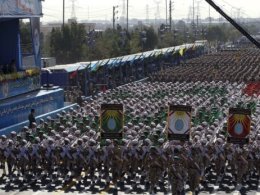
x=102, y=9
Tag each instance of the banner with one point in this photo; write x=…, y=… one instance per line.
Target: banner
x=111, y=121
x=179, y=122
x=239, y=121
x=16, y=110
x=18, y=8
x=19, y=86
x=35, y=29
x=181, y=51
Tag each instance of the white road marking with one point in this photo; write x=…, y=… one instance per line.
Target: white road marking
x=37, y=193
x=236, y=192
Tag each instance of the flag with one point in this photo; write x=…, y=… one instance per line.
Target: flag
x=74, y=74
x=181, y=51
x=96, y=66
x=173, y=52
x=133, y=60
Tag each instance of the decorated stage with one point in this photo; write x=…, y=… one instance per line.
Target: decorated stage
x=20, y=85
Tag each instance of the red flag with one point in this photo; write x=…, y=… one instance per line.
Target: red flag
x=104, y=88
x=73, y=74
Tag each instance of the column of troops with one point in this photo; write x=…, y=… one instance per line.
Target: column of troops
x=69, y=146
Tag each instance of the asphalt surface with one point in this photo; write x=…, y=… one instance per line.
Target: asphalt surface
x=44, y=186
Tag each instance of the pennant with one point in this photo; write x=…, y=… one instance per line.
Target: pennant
x=133, y=60
x=181, y=51
x=96, y=66
x=74, y=74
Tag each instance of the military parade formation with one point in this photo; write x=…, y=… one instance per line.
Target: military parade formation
x=70, y=146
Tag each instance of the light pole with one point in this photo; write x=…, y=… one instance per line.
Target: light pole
x=166, y=12
x=114, y=15
x=175, y=34
x=63, y=17
x=127, y=8
x=143, y=41
x=91, y=40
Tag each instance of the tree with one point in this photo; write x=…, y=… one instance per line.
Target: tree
x=135, y=43
x=26, y=38
x=67, y=44
x=216, y=33
x=152, y=39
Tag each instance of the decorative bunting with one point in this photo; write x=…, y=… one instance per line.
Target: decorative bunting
x=181, y=51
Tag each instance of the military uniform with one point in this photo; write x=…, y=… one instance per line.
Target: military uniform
x=194, y=170
x=177, y=175
x=153, y=163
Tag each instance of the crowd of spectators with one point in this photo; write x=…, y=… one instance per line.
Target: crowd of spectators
x=72, y=94
x=9, y=68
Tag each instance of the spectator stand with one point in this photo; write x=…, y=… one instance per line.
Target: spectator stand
x=119, y=70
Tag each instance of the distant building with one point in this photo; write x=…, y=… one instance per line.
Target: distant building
x=47, y=28
x=245, y=41
x=89, y=26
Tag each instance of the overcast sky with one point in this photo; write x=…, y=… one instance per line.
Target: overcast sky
x=102, y=9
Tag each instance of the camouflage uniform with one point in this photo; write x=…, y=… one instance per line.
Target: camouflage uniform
x=177, y=175
x=194, y=171
x=3, y=145
x=242, y=165
x=153, y=164
x=116, y=164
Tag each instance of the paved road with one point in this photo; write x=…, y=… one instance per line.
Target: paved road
x=44, y=186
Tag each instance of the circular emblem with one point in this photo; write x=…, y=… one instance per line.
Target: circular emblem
x=111, y=124
x=238, y=128
x=179, y=124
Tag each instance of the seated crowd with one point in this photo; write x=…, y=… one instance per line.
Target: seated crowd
x=8, y=68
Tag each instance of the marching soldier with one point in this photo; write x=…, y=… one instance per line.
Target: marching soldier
x=176, y=173
x=3, y=145
x=153, y=164
x=194, y=170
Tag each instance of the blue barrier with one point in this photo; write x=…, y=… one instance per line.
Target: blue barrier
x=15, y=110
x=17, y=127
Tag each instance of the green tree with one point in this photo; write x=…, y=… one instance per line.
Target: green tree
x=135, y=43
x=152, y=39
x=67, y=44
x=26, y=37
x=216, y=33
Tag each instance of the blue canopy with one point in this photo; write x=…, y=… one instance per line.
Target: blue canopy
x=120, y=61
